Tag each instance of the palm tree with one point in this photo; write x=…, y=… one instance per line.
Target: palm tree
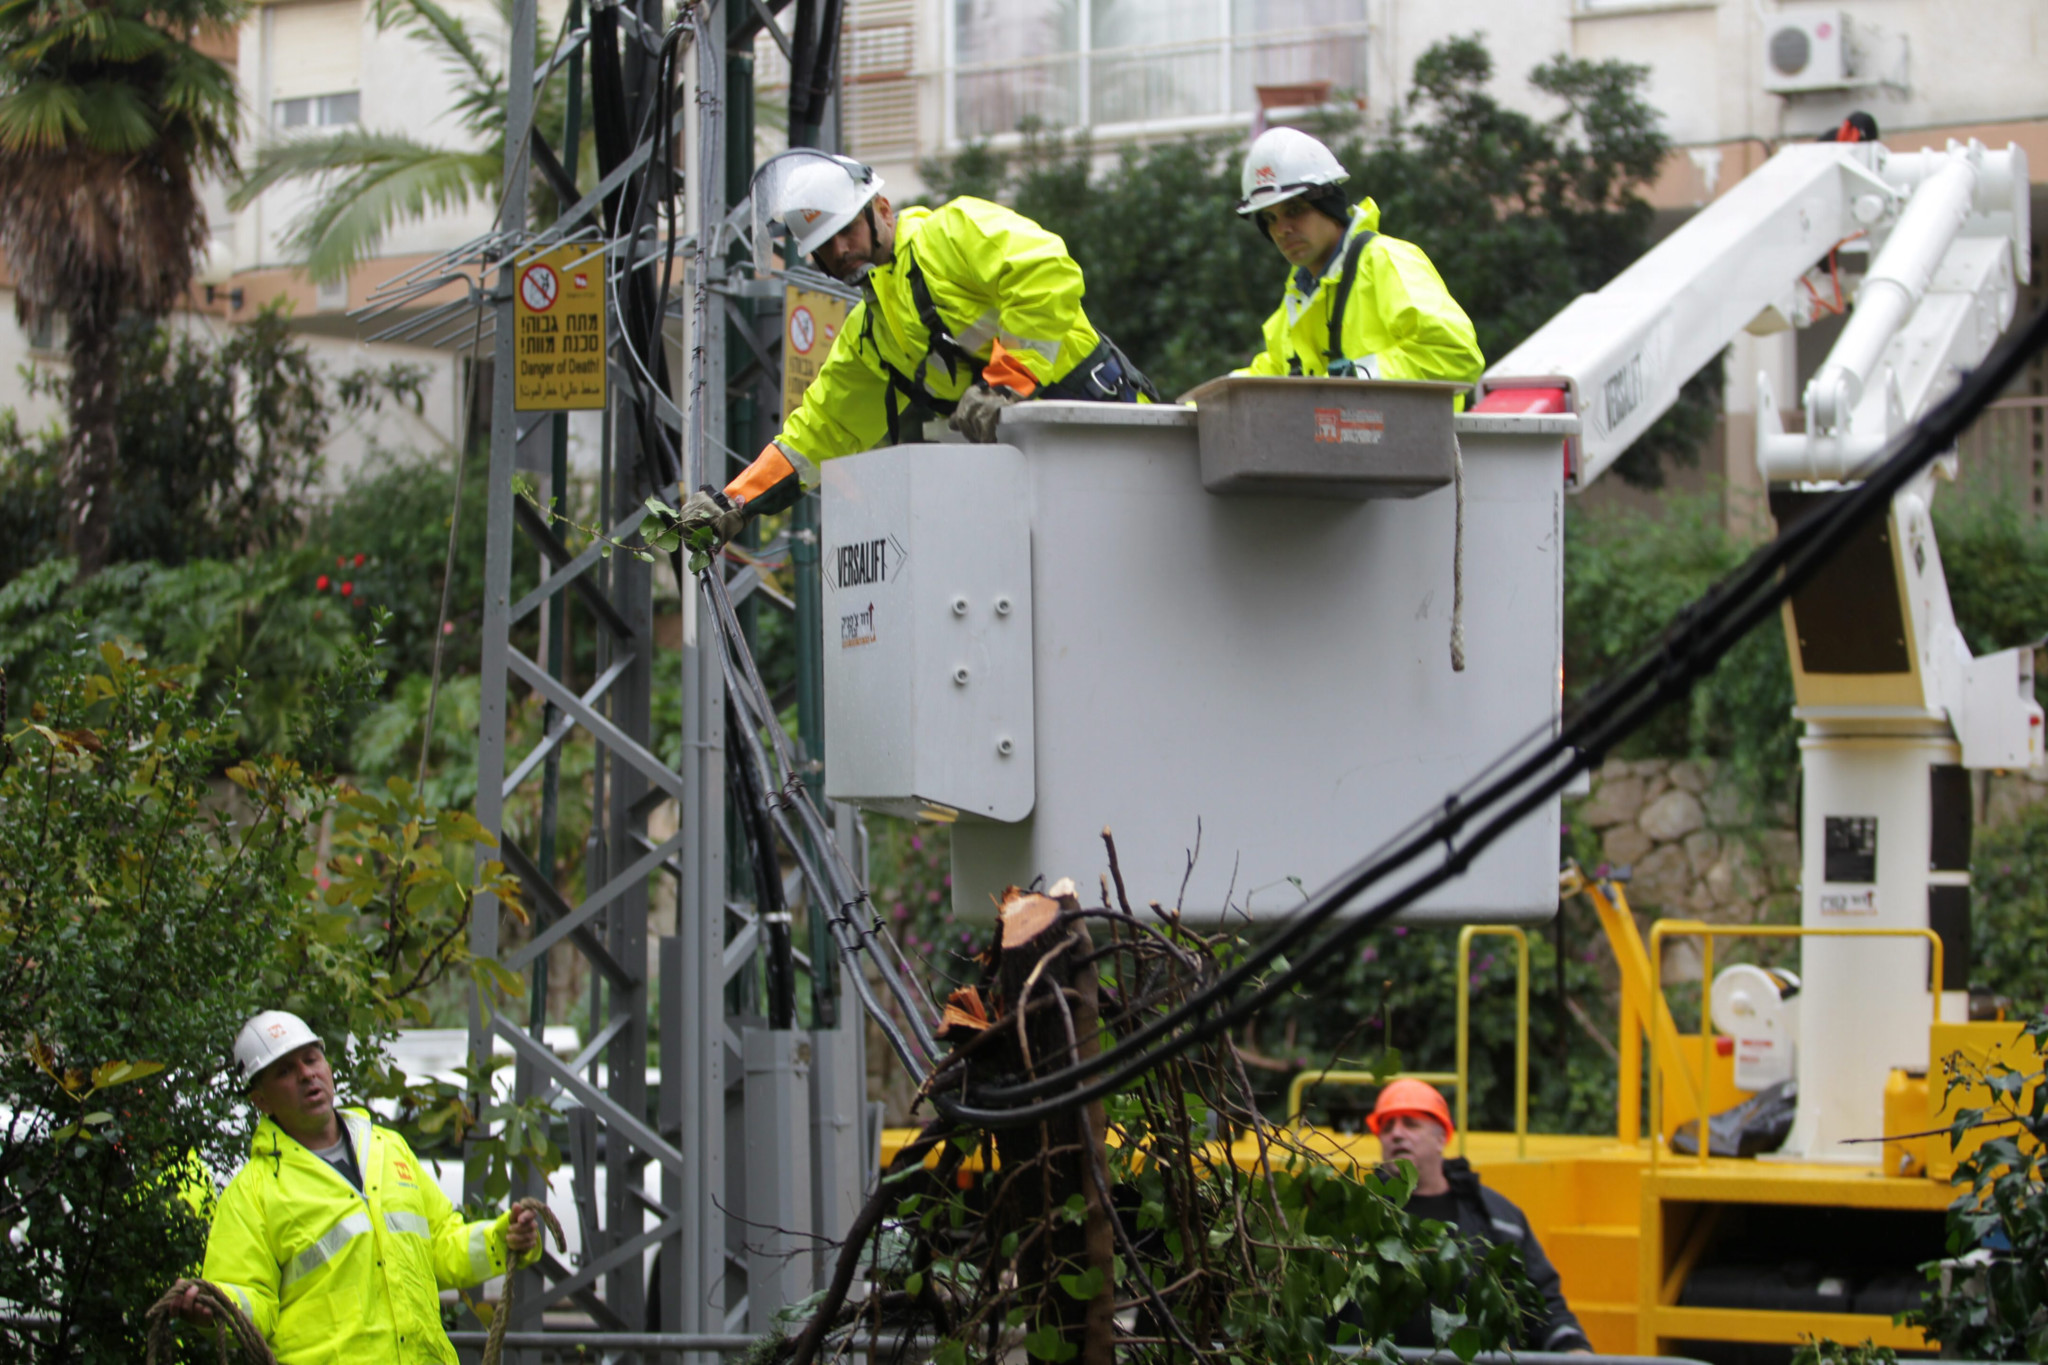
x=108, y=117
x=372, y=181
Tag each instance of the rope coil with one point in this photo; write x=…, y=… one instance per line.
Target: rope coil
x=1458, y=558
x=494, y=1342
x=230, y=1322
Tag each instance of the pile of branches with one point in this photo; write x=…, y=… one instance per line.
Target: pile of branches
x=1170, y=1222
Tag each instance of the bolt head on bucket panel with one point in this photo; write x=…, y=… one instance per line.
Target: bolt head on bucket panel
x=1325, y=438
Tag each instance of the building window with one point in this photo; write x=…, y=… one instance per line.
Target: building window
x=318, y=111
x=1133, y=63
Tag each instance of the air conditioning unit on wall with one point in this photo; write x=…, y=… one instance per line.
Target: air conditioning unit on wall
x=1806, y=48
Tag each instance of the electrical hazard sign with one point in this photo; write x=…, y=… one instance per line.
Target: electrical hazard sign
x=558, y=329
x=810, y=324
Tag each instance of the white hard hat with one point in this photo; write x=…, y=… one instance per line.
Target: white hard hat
x=267, y=1037
x=1282, y=163
x=811, y=193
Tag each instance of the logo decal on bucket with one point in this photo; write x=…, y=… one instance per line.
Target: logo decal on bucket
x=1350, y=426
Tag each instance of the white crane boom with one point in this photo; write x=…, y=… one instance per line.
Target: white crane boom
x=1620, y=355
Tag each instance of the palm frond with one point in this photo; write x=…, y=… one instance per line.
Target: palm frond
x=363, y=203
x=200, y=87
x=349, y=152
x=128, y=40
x=116, y=116
x=40, y=116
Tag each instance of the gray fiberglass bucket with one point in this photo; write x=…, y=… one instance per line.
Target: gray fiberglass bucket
x=1324, y=438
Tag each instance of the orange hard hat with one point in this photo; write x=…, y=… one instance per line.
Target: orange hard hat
x=1410, y=1096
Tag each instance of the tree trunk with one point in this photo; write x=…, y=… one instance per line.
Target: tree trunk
x=90, y=463
x=1039, y=942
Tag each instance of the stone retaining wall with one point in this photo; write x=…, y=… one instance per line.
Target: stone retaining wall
x=1690, y=846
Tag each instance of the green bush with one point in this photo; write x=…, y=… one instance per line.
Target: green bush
x=221, y=445
x=1627, y=575
x=2009, y=930
x=386, y=536
x=148, y=906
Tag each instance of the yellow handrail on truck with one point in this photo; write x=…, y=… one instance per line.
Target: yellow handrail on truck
x=1460, y=1078
x=1465, y=937
x=1667, y=928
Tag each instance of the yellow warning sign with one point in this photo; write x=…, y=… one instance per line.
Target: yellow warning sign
x=810, y=324
x=558, y=323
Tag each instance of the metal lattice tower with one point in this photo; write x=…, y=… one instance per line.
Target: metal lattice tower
x=760, y=1136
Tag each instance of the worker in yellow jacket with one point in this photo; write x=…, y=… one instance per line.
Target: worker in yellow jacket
x=966, y=310
x=1358, y=302
x=334, y=1238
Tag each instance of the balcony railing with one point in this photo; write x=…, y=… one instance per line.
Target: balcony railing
x=1128, y=88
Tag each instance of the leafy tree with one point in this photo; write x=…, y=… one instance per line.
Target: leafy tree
x=1520, y=214
x=2009, y=872
x=386, y=534
x=1995, y=557
x=146, y=909
x=108, y=117
x=1627, y=575
x=252, y=629
x=222, y=445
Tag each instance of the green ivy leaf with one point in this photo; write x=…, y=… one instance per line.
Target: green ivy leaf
x=1084, y=1286
x=1046, y=1343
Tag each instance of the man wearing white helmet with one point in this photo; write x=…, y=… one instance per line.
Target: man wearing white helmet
x=966, y=310
x=1357, y=301
x=334, y=1239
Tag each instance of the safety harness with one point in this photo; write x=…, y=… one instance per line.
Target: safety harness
x=906, y=391
x=1336, y=362
x=1105, y=373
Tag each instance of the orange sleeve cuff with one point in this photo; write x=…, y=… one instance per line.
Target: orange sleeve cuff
x=1006, y=369
x=769, y=468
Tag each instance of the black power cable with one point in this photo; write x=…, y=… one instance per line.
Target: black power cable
x=1694, y=644
x=743, y=779
x=1697, y=640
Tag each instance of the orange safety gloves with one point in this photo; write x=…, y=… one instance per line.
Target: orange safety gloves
x=711, y=517
x=1005, y=370
x=769, y=484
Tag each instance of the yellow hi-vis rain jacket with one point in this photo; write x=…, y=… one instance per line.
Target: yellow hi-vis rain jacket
x=1398, y=312
x=333, y=1276
x=1005, y=289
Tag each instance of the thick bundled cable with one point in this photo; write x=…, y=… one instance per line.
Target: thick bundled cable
x=1690, y=649
x=834, y=885
x=1488, y=808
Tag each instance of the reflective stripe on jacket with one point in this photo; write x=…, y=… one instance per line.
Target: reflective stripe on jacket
x=1399, y=311
x=994, y=276
x=333, y=1276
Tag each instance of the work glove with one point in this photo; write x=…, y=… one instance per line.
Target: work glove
x=708, y=521
x=981, y=407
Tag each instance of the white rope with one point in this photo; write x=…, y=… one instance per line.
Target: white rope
x=1458, y=559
